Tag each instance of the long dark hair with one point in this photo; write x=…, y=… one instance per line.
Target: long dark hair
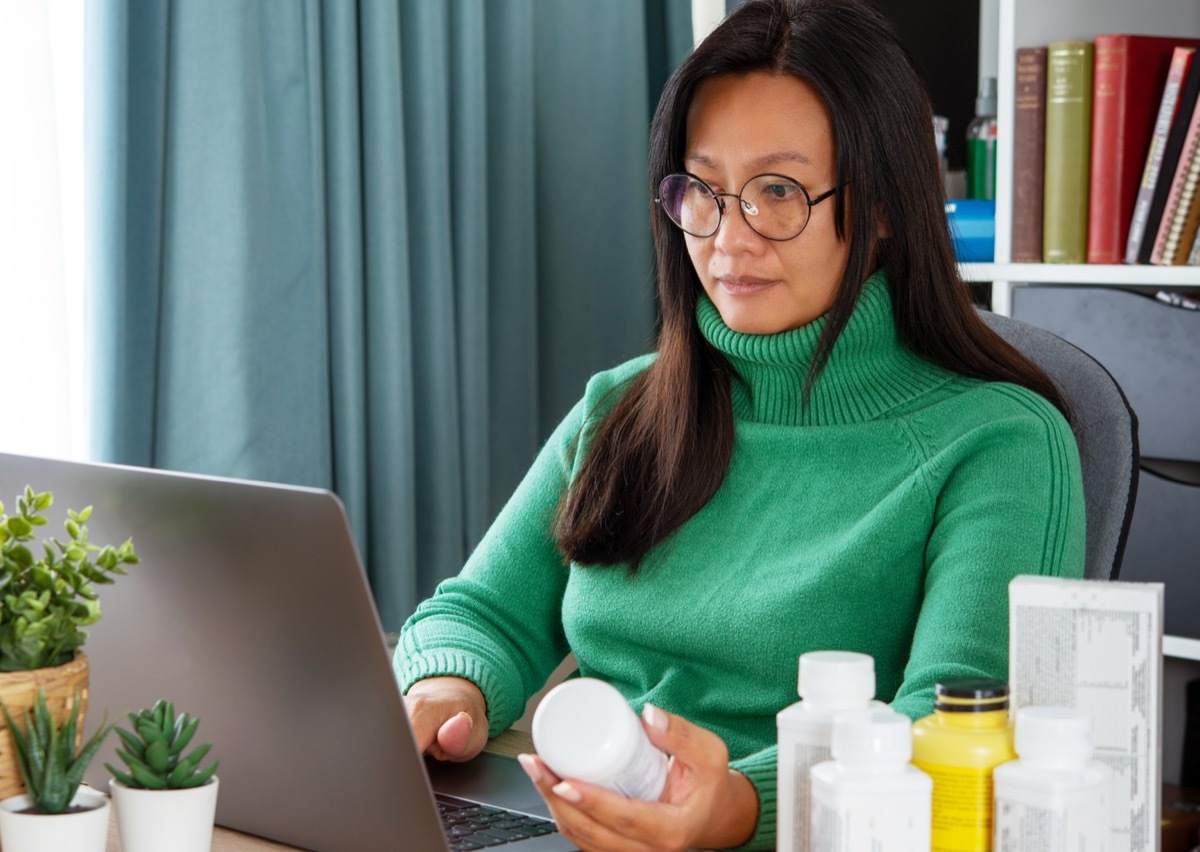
x=662, y=450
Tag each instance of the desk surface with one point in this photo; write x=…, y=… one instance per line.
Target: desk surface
x=510, y=743
x=224, y=840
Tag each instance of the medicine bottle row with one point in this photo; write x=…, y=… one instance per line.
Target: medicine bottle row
x=855, y=776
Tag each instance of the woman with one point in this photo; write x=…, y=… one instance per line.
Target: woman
x=828, y=449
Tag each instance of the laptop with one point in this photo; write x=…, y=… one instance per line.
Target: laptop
x=251, y=610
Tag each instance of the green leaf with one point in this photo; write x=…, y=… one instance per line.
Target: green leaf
x=21, y=745
x=72, y=528
x=19, y=527
x=149, y=731
x=198, y=754
x=185, y=729
x=147, y=778
x=21, y=555
x=131, y=742
x=80, y=764
x=201, y=777
x=120, y=776
x=158, y=755
x=130, y=759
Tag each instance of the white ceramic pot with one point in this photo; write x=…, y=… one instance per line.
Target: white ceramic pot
x=84, y=831
x=154, y=820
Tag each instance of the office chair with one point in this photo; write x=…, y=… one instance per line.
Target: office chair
x=1105, y=428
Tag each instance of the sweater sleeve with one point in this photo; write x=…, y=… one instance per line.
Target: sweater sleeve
x=760, y=769
x=498, y=622
x=1008, y=500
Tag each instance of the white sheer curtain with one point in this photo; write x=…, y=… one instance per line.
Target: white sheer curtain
x=42, y=326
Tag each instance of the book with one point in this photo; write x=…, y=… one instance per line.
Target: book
x=1175, y=109
x=1029, y=154
x=1096, y=645
x=1068, y=151
x=1129, y=72
x=1182, y=211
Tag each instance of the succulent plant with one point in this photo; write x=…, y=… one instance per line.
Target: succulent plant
x=50, y=767
x=154, y=751
x=46, y=602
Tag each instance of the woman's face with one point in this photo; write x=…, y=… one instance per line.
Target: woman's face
x=739, y=127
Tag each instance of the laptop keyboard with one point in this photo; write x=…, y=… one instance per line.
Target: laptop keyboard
x=473, y=826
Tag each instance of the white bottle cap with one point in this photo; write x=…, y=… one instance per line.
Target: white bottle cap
x=1053, y=734
x=877, y=737
x=583, y=728
x=837, y=677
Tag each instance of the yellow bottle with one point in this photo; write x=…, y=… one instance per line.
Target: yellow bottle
x=967, y=736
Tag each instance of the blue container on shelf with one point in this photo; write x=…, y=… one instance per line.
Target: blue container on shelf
x=972, y=229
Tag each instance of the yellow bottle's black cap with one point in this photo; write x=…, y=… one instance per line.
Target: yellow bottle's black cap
x=970, y=695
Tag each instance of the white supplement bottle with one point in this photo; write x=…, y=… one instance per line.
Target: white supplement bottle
x=830, y=682
x=869, y=798
x=1053, y=796
x=584, y=729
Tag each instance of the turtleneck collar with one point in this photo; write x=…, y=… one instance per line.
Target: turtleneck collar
x=868, y=372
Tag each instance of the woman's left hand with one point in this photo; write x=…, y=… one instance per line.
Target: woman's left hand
x=704, y=803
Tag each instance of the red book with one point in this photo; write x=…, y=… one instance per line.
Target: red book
x=1128, y=76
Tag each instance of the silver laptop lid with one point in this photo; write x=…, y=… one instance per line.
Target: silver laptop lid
x=251, y=610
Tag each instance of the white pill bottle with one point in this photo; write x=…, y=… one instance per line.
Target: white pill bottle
x=583, y=728
x=1054, y=795
x=830, y=682
x=870, y=798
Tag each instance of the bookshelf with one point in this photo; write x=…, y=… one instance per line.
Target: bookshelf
x=1028, y=23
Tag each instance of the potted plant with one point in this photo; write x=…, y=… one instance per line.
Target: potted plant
x=55, y=813
x=45, y=602
x=164, y=799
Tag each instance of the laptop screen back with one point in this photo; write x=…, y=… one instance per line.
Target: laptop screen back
x=250, y=610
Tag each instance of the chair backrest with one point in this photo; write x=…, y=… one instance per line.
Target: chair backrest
x=1105, y=428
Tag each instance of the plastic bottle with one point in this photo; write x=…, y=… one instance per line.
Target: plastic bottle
x=981, y=143
x=941, y=126
x=1054, y=796
x=959, y=745
x=869, y=798
x=830, y=682
x=583, y=728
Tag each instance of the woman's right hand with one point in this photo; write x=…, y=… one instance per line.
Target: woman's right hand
x=449, y=717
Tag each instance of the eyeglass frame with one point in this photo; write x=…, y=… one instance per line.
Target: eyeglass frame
x=717, y=196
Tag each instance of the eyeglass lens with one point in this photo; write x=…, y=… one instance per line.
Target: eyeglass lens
x=773, y=205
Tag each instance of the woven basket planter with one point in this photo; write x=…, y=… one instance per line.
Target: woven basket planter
x=18, y=691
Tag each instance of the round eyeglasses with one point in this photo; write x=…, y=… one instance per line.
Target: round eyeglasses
x=774, y=206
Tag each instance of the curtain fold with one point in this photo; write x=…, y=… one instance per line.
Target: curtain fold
x=371, y=246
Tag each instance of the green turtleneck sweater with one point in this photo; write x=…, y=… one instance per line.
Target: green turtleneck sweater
x=887, y=516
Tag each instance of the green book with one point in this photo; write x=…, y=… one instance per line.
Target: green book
x=1068, y=149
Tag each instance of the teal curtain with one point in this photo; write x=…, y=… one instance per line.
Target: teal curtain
x=373, y=246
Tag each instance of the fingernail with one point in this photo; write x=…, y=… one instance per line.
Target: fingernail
x=655, y=718
x=530, y=766
x=467, y=716
x=565, y=791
